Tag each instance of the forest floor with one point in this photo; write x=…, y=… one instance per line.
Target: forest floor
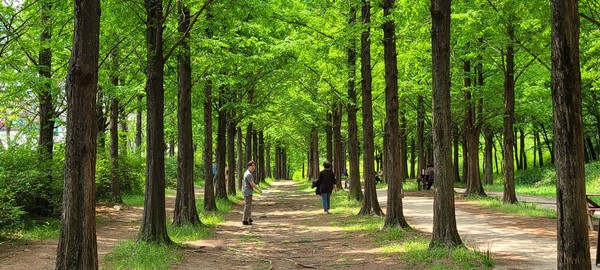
x=291, y=232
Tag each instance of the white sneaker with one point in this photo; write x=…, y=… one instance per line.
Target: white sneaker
x=326, y=213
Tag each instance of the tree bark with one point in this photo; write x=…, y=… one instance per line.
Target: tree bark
x=138, y=123
x=509, y=195
x=46, y=114
x=210, y=203
x=154, y=227
x=444, y=232
x=488, y=135
x=231, y=126
x=261, y=155
x=221, y=153
x=338, y=150
x=185, y=212
x=329, y=137
x=370, y=204
x=393, y=155
x=114, y=132
x=353, y=148
x=472, y=129
x=573, y=242
x=421, y=139
x=77, y=248
x=240, y=157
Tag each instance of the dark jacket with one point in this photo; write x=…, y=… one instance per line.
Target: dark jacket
x=325, y=181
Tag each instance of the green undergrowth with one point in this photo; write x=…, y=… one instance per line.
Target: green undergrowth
x=32, y=229
x=410, y=245
x=141, y=255
x=521, y=208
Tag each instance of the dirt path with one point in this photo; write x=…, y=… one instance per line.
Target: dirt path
x=290, y=232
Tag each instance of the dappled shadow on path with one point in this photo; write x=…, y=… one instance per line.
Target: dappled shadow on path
x=290, y=232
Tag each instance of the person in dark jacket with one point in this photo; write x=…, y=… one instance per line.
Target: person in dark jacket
x=325, y=185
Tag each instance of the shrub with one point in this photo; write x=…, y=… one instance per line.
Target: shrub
x=132, y=170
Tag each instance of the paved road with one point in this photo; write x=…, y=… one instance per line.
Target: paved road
x=516, y=243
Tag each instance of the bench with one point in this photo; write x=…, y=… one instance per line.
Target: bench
x=592, y=207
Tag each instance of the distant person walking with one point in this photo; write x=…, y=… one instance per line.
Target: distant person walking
x=430, y=175
x=248, y=187
x=325, y=185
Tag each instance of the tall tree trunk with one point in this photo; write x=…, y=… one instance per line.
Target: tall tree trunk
x=231, y=125
x=101, y=120
x=338, y=150
x=421, y=138
x=138, y=123
x=391, y=139
x=269, y=173
x=573, y=242
x=370, y=204
x=46, y=114
x=471, y=132
x=403, y=145
x=591, y=148
x=185, y=212
x=455, y=155
x=240, y=158
x=77, y=248
x=154, y=221
x=509, y=195
x=221, y=153
x=210, y=203
x=444, y=232
x=248, y=150
x=353, y=150
x=261, y=155
x=523, y=153
x=412, y=159
x=488, y=135
x=329, y=136
x=540, y=151
x=115, y=186
x=314, y=161
x=548, y=142
x=516, y=152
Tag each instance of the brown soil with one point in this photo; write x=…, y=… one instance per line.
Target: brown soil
x=291, y=232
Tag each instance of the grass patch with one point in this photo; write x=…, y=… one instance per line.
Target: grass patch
x=522, y=208
x=134, y=199
x=418, y=255
x=33, y=229
x=142, y=255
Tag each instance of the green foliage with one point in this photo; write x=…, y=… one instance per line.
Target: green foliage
x=141, y=255
x=131, y=175
x=32, y=229
x=25, y=187
x=171, y=171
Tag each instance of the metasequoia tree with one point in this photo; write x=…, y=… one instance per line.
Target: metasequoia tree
x=391, y=139
x=46, y=109
x=153, y=227
x=353, y=155
x=210, y=203
x=77, y=248
x=370, y=204
x=444, y=232
x=573, y=242
x=185, y=199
